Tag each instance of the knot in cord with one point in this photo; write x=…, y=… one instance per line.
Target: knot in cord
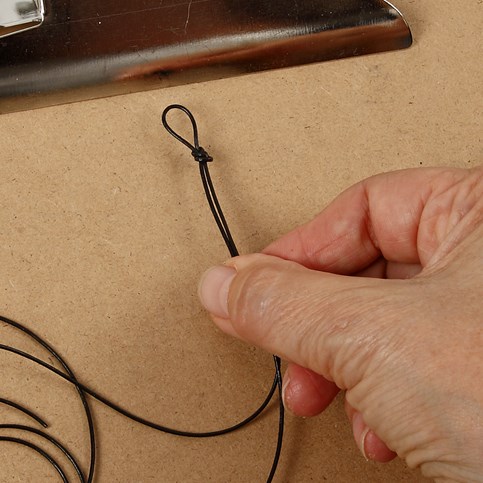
x=201, y=155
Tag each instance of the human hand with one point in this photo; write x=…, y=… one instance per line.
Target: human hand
x=397, y=323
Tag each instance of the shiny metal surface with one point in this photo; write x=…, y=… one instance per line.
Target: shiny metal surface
x=20, y=15
x=92, y=48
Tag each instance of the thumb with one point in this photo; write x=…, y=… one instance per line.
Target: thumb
x=329, y=323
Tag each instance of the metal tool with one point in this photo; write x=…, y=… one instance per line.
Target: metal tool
x=84, y=49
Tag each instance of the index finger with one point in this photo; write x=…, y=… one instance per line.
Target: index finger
x=379, y=216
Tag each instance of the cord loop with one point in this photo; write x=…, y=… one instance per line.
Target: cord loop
x=198, y=153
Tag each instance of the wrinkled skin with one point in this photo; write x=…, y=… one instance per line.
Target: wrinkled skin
x=381, y=295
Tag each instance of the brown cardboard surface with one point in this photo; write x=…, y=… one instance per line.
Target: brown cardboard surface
x=105, y=232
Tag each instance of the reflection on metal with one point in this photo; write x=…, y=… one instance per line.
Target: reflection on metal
x=20, y=15
x=91, y=48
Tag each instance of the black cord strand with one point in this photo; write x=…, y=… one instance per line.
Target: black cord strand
x=281, y=419
x=202, y=157
x=132, y=416
x=216, y=210
x=26, y=411
x=87, y=411
x=40, y=451
x=52, y=440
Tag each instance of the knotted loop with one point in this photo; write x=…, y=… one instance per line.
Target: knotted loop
x=198, y=153
x=201, y=155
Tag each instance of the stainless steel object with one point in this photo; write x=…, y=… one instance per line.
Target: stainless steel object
x=92, y=48
x=20, y=15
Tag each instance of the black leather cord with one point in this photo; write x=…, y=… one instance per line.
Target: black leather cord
x=87, y=411
x=203, y=158
x=40, y=451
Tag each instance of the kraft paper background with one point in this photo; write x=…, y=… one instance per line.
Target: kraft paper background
x=106, y=231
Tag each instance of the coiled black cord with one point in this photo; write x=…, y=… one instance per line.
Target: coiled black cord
x=202, y=157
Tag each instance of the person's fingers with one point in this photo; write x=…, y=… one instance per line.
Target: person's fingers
x=306, y=393
x=370, y=445
x=303, y=315
x=402, y=216
x=381, y=268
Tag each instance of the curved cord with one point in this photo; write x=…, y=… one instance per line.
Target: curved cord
x=174, y=133
x=216, y=210
x=40, y=451
x=281, y=420
x=202, y=157
x=85, y=404
x=25, y=411
x=132, y=416
x=196, y=150
x=52, y=440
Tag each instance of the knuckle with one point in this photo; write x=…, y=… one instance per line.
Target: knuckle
x=253, y=299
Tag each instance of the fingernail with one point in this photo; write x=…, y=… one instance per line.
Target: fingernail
x=360, y=430
x=213, y=290
x=286, y=382
x=362, y=443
